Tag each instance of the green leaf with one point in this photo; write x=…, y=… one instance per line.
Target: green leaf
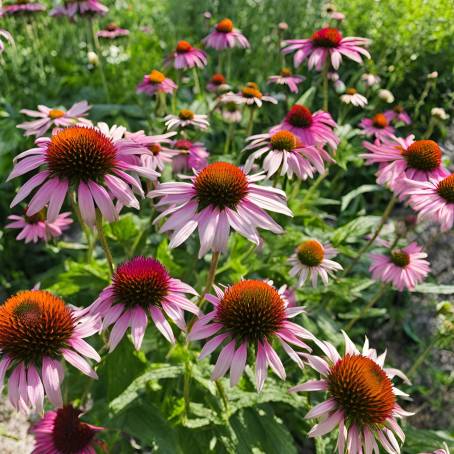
x=346, y=199
x=435, y=288
x=306, y=98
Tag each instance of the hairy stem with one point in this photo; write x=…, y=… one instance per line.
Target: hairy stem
x=422, y=357
x=103, y=241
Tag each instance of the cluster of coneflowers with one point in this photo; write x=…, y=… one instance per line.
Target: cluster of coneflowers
x=99, y=170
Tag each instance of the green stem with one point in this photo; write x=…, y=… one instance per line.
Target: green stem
x=83, y=226
x=223, y=395
x=379, y=228
x=325, y=85
x=250, y=124
x=103, y=241
x=366, y=308
x=229, y=64
x=97, y=48
x=187, y=387
x=197, y=88
x=229, y=137
x=314, y=187
x=430, y=129
x=422, y=357
x=174, y=95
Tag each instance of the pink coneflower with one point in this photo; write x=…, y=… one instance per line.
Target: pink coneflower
x=249, y=95
x=54, y=117
x=142, y=287
x=62, y=432
x=21, y=7
x=326, y=44
x=361, y=398
x=7, y=35
x=82, y=7
x=401, y=158
x=311, y=128
x=191, y=155
x=351, y=96
x=228, y=105
x=217, y=83
x=156, y=150
x=218, y=198
x=37, y=329
x=287, y=78
x=112, y=31
x=312, y=259
x=156, y=82
x=185, y=56
x=89, y=162
x=225, y=36
x=397, y=113
x=377, y=126
x=36, y=228
x=250, y=313
x=185, y=119
x=433, y=199
x=404, y=268
x=285, y=151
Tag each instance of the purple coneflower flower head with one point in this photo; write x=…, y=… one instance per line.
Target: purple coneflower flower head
x=361, y=398
x=404, y=268
x=311, y=128
x=37, y=330
x=249, y=314
x=81, y=7
x=219, y=197
x=112, y=31
x=21, y=7
x=185, y=57
x=326, y=45
x=156, y=150
x=398, y=114
x=370, y=79
x=62, y=432
x=433, y=200
x=218, y=84
x=287, y=78
x=36, y=228
x=250, y=95
x=378, y=126
x=285, y=152
x=351, y=96
x=156, y=82
x=225, y=36
x=54, y=117
x=190, y=155
x=312, y=259
x=6, y=35
x=96, y=163
x=142, y=287
x=404, y=158
x=185, y=119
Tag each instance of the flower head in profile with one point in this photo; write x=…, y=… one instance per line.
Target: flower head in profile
x=285, y=152
x=250, y=95
x=156, y=82
x=156, y=150
x=311, y=128
x=61, y=432
x=185, y=57
x=225, y=36
x=361, y=398
x=54, y=117
x=249, y=314
x=439, y=113
x=21, y=7
x=370, y=79
x=433, y=200
x=38, y=330
x=6, y=35
x=98, y=164
x=351, y=96
x=326, y=45
x=378, y=126
x=112, y=31
x=186, y=118
x=397, y=114
x=229, y=105
x=142, y=287
x=401, y=158
x=37, y=228
x=219, y=197
x=218, y=83
x=404, y=268
x=190, y=155
x=312, y=259
x=80, y=7
x=287, y=78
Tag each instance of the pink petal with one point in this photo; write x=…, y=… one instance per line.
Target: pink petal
x=162, y=324
x=139, y=323
x=224, y=361
x=78, y=362
x=52, y=373
x=238, y=364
